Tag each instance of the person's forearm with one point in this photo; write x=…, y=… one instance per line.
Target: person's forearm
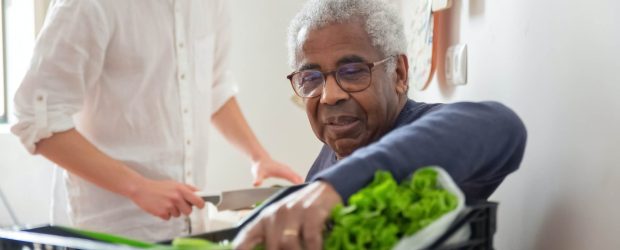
x=477, y=143
x=73, y=152
x=230, y=122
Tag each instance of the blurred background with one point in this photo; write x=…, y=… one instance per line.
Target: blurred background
x=556, y=63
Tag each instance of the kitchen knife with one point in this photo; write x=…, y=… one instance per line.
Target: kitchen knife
x=238, y=199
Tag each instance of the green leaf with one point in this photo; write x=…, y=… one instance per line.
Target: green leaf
x=110, y=238
x=384, y=211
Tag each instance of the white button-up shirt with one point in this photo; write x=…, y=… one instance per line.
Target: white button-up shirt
x=140, y=80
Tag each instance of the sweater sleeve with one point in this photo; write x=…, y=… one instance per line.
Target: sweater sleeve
x=479, y=144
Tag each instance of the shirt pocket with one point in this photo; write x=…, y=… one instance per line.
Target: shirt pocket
x=204, y=56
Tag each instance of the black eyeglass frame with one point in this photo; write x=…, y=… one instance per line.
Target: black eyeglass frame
x=370, y=65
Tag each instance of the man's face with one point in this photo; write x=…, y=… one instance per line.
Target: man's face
x=347, y=121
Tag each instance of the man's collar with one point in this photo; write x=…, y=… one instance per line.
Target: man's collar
x=402, y=116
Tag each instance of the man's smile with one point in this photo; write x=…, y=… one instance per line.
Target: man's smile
x=342, y=126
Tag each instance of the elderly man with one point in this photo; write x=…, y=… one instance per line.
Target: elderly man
x=351, y=69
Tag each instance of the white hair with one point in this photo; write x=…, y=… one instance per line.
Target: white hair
x=382, y=23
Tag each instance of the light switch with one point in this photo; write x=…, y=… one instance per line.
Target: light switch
x=456, y=64
x=439, y=5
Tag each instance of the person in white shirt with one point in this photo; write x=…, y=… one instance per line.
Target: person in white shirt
x=121, y=94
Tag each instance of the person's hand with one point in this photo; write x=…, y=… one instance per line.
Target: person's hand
x=165, y=199
x=296, y=222
x=266, y=167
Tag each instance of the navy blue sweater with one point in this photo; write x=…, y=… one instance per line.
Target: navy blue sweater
x=479, y=144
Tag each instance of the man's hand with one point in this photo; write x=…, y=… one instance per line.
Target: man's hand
x=296, y=222
x=165, y=199
x=267, y=167
x=230, y=122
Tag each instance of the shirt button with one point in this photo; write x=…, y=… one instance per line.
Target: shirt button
x=185, y=111
x=39, y=98
x=182, y=76
x=188, y=142
x=181, y=45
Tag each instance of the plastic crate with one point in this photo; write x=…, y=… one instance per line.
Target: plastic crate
x=51, y=238
x=480, y=217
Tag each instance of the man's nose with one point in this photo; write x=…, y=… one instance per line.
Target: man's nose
x=332, y=92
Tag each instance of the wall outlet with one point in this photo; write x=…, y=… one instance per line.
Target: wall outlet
x=456, y=64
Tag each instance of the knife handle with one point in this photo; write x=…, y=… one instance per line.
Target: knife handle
x=214, y=199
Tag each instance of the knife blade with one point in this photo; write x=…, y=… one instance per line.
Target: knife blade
x=238, y=199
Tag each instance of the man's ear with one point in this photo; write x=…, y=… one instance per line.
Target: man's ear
x=402, y=74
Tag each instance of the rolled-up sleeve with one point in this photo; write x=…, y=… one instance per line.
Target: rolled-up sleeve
x=224, y=85
x=67, y=59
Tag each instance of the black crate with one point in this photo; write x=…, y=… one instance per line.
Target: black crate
x=480, y=217
x=51, y=238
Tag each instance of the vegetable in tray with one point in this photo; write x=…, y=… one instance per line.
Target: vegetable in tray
x=382, y=213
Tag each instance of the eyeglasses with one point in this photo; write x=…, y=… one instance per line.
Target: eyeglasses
x=351, y=77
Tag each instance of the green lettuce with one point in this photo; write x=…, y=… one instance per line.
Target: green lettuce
x=384, y=212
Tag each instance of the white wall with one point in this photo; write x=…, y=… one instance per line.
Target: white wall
x=260, y=63
x=26, y=183
x=25, y=180
x=553, y=62
x=556, y=64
